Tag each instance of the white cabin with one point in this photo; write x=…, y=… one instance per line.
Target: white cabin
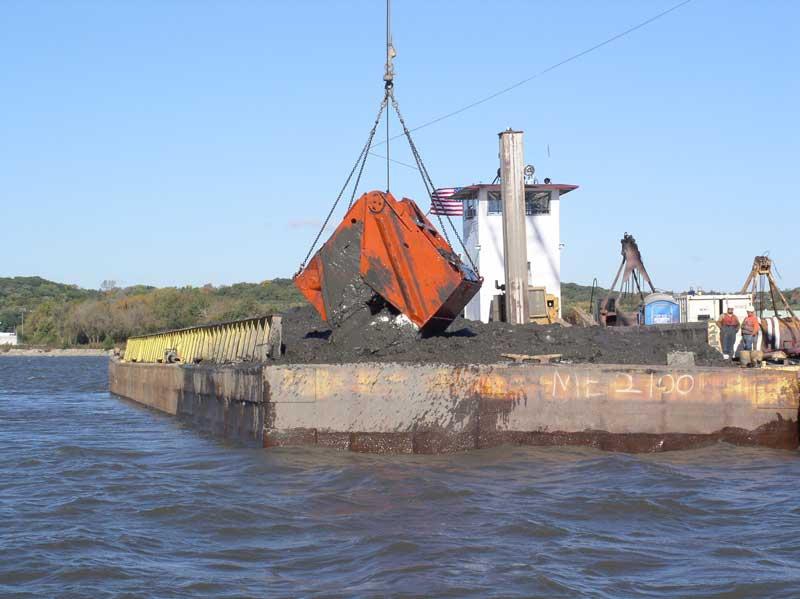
x=8, y=339
x=483, y=238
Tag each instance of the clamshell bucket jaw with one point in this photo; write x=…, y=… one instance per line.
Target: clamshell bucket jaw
x=387, y=253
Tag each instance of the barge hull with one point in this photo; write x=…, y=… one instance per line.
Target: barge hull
x=428, y=408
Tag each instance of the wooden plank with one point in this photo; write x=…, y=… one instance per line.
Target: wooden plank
x=542, y=358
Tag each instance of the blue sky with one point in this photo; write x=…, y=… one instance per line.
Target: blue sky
x=177, y=142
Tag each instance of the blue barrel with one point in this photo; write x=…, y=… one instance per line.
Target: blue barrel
x=661, y=308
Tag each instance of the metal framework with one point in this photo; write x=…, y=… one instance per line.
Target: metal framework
x=248, y=340
x=633, y=271
x=761, y=272
x=785, y=334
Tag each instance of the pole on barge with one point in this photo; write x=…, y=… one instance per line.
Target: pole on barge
x=515, y=251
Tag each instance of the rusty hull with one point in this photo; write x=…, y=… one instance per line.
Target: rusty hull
x=438, y=408
x=427, y=408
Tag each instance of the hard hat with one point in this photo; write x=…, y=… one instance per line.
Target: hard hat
x=751, y=309
x=730, y=308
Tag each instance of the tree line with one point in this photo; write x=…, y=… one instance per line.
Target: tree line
x=67, y=317
x=60, y=315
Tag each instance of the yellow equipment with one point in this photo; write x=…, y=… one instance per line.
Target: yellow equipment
x=542, y=306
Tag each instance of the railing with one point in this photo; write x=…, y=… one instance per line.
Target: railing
x=252, y=339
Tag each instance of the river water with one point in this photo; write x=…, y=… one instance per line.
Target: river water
x=100, y=497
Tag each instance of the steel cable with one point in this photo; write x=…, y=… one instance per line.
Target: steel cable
x=429, y=186
x=360, y=160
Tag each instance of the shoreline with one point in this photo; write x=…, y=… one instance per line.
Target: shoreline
x=56, y=353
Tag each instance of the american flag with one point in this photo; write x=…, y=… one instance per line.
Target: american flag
x=442, y=202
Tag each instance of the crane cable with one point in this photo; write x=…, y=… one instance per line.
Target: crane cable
x=388, y=95
x=429, y=187
x=546, y=70
x=362, y=158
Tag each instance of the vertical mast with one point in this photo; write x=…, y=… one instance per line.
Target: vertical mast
x=515, y=251
x=388, y=77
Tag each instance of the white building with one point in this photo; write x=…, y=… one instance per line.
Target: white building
x=699, y=307
x=483, y=238
x=8, y=339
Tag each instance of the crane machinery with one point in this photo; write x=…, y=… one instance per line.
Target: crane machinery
x=385, y=254
x=632, y=269
x=781, y=334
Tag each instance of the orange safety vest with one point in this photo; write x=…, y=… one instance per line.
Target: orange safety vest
x=750, y=326
x=729, y=320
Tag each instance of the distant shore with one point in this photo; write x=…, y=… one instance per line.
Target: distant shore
x=54, y=353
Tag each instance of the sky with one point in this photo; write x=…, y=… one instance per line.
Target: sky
x=178, y=142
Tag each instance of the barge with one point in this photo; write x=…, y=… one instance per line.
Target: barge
x=226, y=383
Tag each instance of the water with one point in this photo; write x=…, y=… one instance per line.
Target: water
x=100, y=497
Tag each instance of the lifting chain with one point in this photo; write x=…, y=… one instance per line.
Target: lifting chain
x=428, y=182
x=368, y=145
x=361, y=160
x=360, y=163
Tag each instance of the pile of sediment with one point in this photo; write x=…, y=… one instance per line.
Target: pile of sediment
x=307, y=340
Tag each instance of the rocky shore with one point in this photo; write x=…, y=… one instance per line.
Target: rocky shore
x=54, y=353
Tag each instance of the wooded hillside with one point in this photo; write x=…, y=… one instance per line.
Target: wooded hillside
x=63, y=315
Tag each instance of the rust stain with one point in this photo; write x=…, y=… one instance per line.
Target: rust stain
x=778, y=434
x=500, y=387
x=772, y=393
x=477, y=399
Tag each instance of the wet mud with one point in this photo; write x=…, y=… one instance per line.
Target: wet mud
x=307, y=339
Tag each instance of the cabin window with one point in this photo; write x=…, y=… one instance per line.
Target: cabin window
x=470, y=208
x=495, y=204
x=537, y=202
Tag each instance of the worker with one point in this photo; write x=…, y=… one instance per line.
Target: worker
x=750, y=329
x=729, y=325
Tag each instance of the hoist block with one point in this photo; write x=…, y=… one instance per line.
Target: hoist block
x=386, y=252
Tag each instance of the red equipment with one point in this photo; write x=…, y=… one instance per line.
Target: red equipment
x=386, y=252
